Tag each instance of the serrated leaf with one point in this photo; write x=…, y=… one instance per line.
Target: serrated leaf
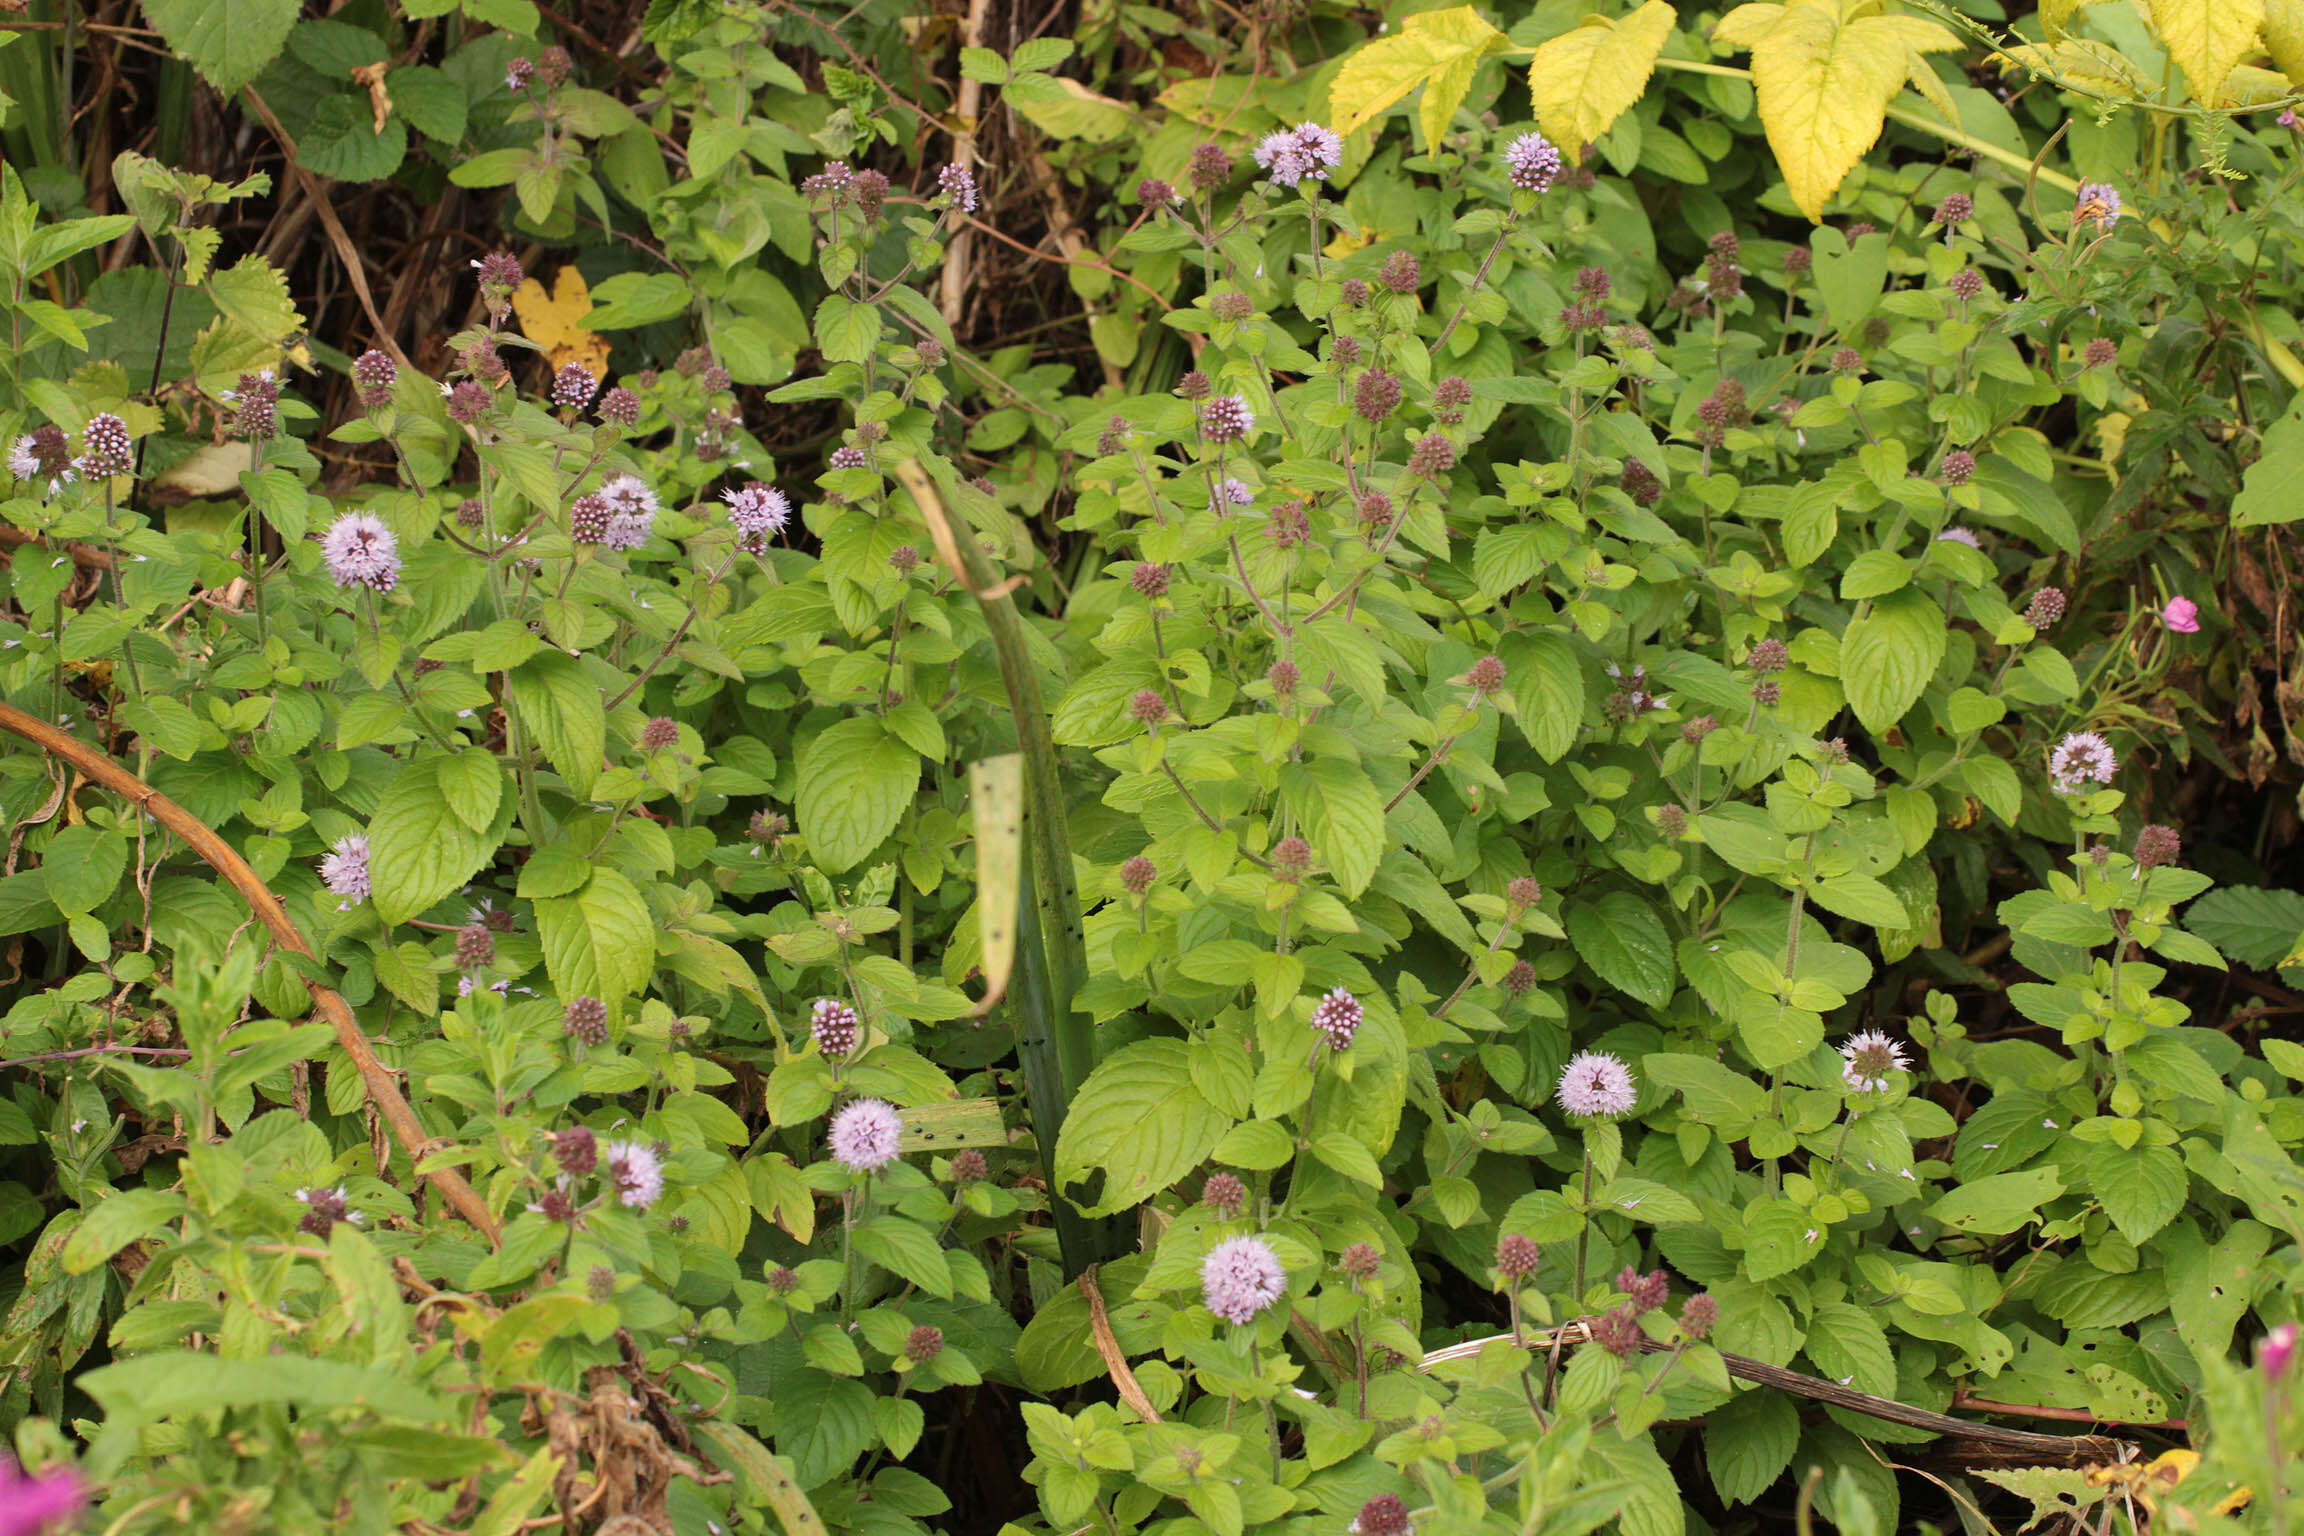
x=1588, y=76
x=1435, y=49
x=1887, y=656
x=1825, y=73
x=856, y=781
x=600, y=942
x=559, y=706
x=228, y=41
x=419, y=849
x=2256, y=926
x=1141, y=1120
x=2000, y=1202
x=2141, y=1188
x=1621, y=937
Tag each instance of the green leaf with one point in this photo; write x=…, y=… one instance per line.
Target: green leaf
x=178, y=1382
x=228, y=41
x=82, y=866
x=1547, y=691
x=471, y=782
x=857, y=780
x=342, y=143
x=1862, y=898
x=2141, y=1188
x=2000, y=1202
x=559, y=706
x=1779, y=1237
x=432, y=103
x=1848, y=1342
x=419, y=850
x=1887, y=657
x=2268, y=489
x=1749, y=1442
x=907, y=1249
x=846, y=331
x=1140, y=1118
x=600, y=942
x=2256, y=926
x=129, y=1216
x=1621, y=937
x=1346, y=817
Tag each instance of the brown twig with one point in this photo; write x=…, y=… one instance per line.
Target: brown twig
x=1108, y=1348
x=219, y=856
x=953, y=281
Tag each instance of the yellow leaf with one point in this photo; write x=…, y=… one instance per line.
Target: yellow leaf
x=1588, y=76
x=1824, y=76
x=2284, y=36
x=2206, y=38
x=2083, y=63
x=556, y=323
x=1435, y=49
x=1746, y=25
x=2055, y=13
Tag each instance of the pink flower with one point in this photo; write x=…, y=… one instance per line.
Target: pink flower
x=344, y=869
x=362, y=552
x=863, y=1136
x=635, y=1171
x=29, y=1504
x=2081, y=758
x=2181, y=615
x=1241, y=1277
x=1597, y=1085
x=2277, y=1351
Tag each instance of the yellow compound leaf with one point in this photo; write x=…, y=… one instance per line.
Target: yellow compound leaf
x=555, y=322
x=1435, y=49
x=2284, y=37
x=2206, y=38
x=1588, y=76
x=1824, y=77
x=2056, y=15
x=2082, y=63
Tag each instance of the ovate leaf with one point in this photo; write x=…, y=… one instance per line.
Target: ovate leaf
x=855, y=781
x=1621, y=937
x=1141, y=1119
x=1825, y=74
x=1588, y=76
x=600, y=942
x=419, y=849
x=1887, y=657
x=1435, y=49
x=228, y=41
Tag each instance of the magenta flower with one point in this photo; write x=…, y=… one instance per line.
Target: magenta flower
x=863, y=1136
x=2181, y=615
x=2277, y=1351
x=958, y=184
x=1241, y=1277
x=1337, y=1016
x=362, y=552
x=28, y=1505
x=1597, y=1085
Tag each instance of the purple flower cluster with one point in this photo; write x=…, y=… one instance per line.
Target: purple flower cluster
x=1306, y=151
x=361, y=552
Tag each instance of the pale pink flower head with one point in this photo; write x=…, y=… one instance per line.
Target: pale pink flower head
x=361, y=552
x=1867, y=1060
x=1306, y=151
x=2080, y=759
x=636, y=1171
x=1596, y=1085
x=29, y=1505
x=1337, y=1016
x=1531, y=162
x=1241, y=1277
x=1958, y=535
x=2182, y=615
x=344, y=869
x=758, y=511
x=2277, y=1352
x=863, y=1135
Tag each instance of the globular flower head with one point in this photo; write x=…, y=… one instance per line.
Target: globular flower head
x=373, y=375
x=2080, y=759
x=1337, y=1016
x=957, y=185
x=1192, y=384
x=499, y=274
x=1698, y=1314
x=1957, y=208
x=1344, y=352
x=1137, y=875
x=1640, y=483
x=1383, y=1515
x=518, y=73
x=1305, y=152
x=475, y=946
x=323, y=1208
x=1596, y=1085
x=1694, y=731
x=2182, y=616
x=1223, y=1194
x=1847, y=360
x=923, y=1344
x=631, y=511
x=1291, y=858
x=1147, y=707
x=255, y=403
x=1450, y=396
x=467, y=401
x=2157, y=845
x=1646, y=1292
x=1351, y=293
x=344, y=868
x=758, y=510
x=1226, y=419
x=1377, y=395
x=104, y=447
x=903, y=559
x=1400, y=273
x=361, y=552
x=1522, y=892
x=1283, y=676
x=600, y=1282
x=1359, y=1261
x=1516, y=1256
x=1211, y=168
x=2276, y=1352
x=1672, y=819
x=1868, y=1059
x=636, y=1172
x=1770, y=655
x=553, y=66
x=871, y=189
x=2046, y=607
x=1617, y=1331
x=43, y=454
x=1231, y=307
x=1799, y=260
x=2098, y=203
x=1520, y=980
x=848, y=456
x=1432, y=457
x=576, y=1150
x=620, y=406
x=1486, y=675
x=835, y=1027
x=1967, y=283
x=586, y=1019
x=660, y=732
x=588, y=519
x=573, y=386
x=1149, y=578
x=1241, y=1277
x=1532, y=163
x=1958, y=466
x=2102, y=352
x=1154, y=193
x=863, y=1135
x=968, y=1166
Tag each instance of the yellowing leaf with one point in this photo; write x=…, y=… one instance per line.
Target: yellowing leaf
x=2082, y=62
x=2284, y=36
x=1824, y=77
x=1588, y=76
x=1435, y=49
x=2206, y=38
x=2054, y=14
x=556, y=322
